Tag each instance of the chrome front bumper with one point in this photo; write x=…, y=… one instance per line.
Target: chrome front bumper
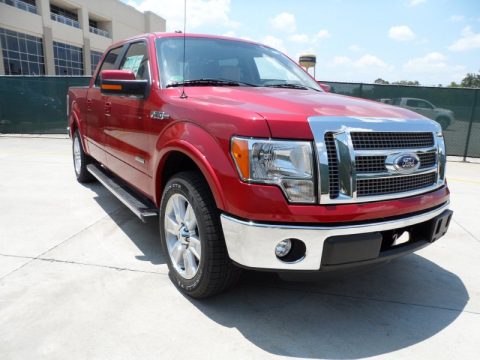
x=253, y=245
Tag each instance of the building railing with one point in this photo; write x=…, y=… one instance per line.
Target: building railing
x=100, y=32
x=21, y=5
x=64, y=20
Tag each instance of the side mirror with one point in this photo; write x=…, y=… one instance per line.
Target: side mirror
x=325, y=87
x=122, y=83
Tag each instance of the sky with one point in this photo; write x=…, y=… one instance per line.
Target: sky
x=432, y=41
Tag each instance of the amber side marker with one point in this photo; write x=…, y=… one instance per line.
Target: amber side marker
x=111, y=87
x=240, y=155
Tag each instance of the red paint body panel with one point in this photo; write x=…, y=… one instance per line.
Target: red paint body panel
x=201, y=126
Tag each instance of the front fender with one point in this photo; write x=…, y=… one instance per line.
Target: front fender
x=211, y=157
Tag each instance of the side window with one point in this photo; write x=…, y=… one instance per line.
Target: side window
x=108, y=62
x=425, y=105
x=136, y=60
x=412, y=103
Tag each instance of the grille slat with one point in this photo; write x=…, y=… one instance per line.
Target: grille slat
x=370, y=164
x=392, y=185
x=427, y=159
x=334, y=189
x=376, y=164
x=391, y=140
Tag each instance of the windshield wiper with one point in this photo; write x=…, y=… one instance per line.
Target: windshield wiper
x=208, y=82
x=288, y=86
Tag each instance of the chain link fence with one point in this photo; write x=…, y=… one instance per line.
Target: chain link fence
x=37, y=105
x=456, y=109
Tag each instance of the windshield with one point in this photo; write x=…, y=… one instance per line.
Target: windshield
x=226, y=63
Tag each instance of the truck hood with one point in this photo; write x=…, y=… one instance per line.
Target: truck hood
x=287, y=110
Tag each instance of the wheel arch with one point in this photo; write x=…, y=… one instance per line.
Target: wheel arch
x=178, y=150
x=75, y=123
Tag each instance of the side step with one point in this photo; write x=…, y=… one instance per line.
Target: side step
x=140, y=206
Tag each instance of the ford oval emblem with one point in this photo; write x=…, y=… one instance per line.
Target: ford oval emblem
x=403, y=163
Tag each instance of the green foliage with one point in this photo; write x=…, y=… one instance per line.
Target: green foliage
x=406, y=82
x=471, y=80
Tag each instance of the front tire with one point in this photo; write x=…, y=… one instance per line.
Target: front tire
x=192, y=238
x=80, y=160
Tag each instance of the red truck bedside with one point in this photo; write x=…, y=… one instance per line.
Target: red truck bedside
x=249, y=163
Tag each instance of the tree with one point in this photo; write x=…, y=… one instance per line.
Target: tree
x=406, y=82
x=471, y=80
x=381, y=81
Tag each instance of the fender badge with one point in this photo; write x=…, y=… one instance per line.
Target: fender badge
x=159, y=115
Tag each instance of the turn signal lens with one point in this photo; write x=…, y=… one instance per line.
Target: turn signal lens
x=111, y=87
x=241, y=156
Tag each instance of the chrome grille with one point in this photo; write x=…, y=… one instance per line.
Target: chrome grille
x=391, y=185
x=427, y=159
x=359, y=158
x=376, y=164
x=332, y=165
x=391, y=140
x=370, y=164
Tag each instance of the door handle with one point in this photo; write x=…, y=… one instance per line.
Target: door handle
x=108, y=108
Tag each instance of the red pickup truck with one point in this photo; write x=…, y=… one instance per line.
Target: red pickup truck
x=249, y=163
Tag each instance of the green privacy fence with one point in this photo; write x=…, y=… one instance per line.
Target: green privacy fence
x=36, y=105
x=456, y=109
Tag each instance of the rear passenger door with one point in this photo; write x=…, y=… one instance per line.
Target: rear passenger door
x=125, y=122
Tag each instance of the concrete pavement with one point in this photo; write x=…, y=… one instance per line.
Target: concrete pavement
x=82, y=278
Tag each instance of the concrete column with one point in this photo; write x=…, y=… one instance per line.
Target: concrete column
x=44, y=11
x=2, y=67
x=87, y=60
x=48, y=51
x=83, y=19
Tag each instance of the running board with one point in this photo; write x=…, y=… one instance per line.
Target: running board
x=141, y=207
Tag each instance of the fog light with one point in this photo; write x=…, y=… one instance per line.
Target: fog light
x=283, y=248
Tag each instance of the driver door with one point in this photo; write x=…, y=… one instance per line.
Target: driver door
x=126, y=135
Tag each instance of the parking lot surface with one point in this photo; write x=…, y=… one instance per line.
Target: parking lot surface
x=83, y=278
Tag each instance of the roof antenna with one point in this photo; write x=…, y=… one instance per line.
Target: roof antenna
x=184, y=95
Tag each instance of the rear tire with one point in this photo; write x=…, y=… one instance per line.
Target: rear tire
x=192, y=238
x=80, y=160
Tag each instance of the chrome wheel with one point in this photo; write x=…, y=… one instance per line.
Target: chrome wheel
x=77, y=154
x=182, y=236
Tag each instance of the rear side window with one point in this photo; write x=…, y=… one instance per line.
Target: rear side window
x=412, y=103
x=109, y=62
x=136, y=60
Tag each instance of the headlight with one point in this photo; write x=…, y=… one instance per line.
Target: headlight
x=287, y=164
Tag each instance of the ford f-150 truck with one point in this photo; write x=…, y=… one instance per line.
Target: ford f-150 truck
x=248, y=163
